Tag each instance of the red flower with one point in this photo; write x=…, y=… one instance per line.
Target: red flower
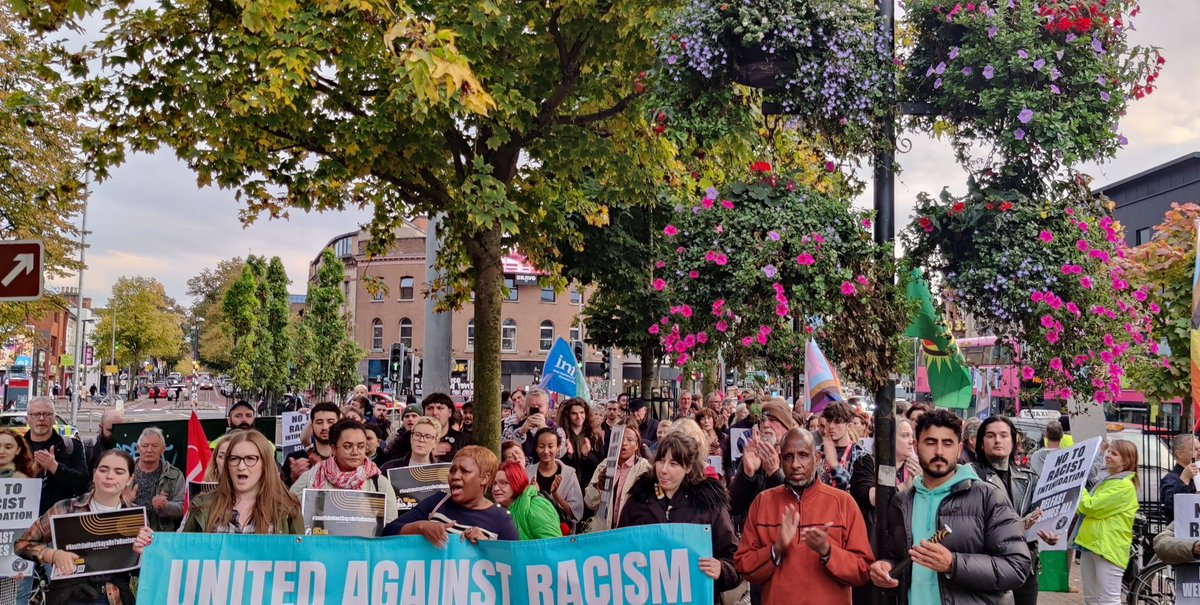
x=926, y=224
x=1083, y=24
x=988, y=206
x=760, y=167
x=958, y=207
x=1005, y=206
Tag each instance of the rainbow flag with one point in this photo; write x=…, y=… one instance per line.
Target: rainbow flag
x=821, y=382
x=1195, y=333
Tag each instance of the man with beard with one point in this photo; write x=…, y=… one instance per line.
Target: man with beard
x=240, y=416
x=320, y=419
x=981, y=560
x=58, y=461
x=103, y=441
x=827, y=554
x=759, y=469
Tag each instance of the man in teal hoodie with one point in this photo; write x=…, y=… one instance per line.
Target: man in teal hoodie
x=981, y=560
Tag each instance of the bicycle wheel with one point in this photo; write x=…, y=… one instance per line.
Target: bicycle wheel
x=1155, y=585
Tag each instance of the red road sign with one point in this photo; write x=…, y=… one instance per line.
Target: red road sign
x=20, y=271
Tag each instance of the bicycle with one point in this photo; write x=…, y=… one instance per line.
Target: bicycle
x=1153, y=585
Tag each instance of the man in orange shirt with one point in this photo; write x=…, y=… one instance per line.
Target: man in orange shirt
x=804, y=537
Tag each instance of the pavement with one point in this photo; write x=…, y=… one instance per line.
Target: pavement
x=1065, y=598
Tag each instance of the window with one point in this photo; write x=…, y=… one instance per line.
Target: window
x=377, y=296
x=575, y=333
x=406, y=333
x=341, y=248
x=376, y=335
x=511, y=283
x=576, y=297
x=1142, y=236
x=471, y=335
x=508, y=336
x=406, y=288
x=547, y=295
x=546, y=335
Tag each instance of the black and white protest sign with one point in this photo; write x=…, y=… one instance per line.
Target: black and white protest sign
x=195, y=488
x=19, y=500
x=415, y=483
x=1187, y=585
x=616, y=437
x=738, y=438
x=291, y=426
x=343, y=512
x=1060, y=487
x=1187, y=527
x=101, y=542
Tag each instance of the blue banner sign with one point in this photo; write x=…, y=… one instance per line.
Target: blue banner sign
x=656, y=564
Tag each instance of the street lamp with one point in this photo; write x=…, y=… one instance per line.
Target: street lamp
x=196, y=321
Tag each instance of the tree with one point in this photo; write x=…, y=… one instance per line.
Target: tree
x=241, y=311
x=207, y=290
x=276, y=321
x=148, y=325
x=41, y=189
x=329, y=356
x=493, y=119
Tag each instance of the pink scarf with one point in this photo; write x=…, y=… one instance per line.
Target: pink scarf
x=328, y=472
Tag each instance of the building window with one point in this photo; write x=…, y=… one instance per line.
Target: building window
x=341, y=248
x=1142, y=236
x=376, y=335
x=546, y=335
x=547, y=295
x=576, y=297
x=377, y=296
x=508, y=336
x=511, y=283
x=406, y=288
x=406, y=333
x=471, y=335
x=575, y=335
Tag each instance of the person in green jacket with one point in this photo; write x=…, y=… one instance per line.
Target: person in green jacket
x=1106, y=530
x=532, y=513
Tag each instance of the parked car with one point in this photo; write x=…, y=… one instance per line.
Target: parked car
x=157, y=390
x=206, y=383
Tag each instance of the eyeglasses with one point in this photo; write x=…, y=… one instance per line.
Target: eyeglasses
x=41, y=415
x=353, y=447
x=251, y=461
x=424, y=437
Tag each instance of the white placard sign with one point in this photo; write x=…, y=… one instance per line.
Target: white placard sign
x=1060, y=488
x=616, y=436
x=19, y=500
x=291, y=427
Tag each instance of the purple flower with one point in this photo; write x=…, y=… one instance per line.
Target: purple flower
x=1025, y=115
x=1021, y=53
x=1101, y=80
x=937, y=83
x=1054, y=89
x=1071, y=38
x=988, y=72
x=929, y=72
x=1097, y=46
x=671, y=59
x=940, y=69
x=1039, y=64
x=992, y=31
x=1019, y=134
x=1104, y=96
x=769, y=271
x=1121, y=140
x=1055, y=74
x=773, y=236
x=954, y=53
x=710, y=193
x=966, y=71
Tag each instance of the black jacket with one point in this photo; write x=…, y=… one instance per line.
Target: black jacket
x=705, y=503
x=987, y=539
x=71, y=480
x=92, y=450
x=743, y=489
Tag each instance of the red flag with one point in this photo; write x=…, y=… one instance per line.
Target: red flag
x=198, y=453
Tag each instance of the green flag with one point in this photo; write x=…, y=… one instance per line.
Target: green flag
x=949, y=381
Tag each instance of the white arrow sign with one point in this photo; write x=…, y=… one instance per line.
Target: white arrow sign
x=24, y=265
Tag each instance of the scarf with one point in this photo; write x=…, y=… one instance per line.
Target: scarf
x=328, y=472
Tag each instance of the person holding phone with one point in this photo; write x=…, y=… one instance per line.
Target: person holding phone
x=531, y=413
x=1182, y=478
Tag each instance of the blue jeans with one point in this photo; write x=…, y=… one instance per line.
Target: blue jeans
x=24, y=588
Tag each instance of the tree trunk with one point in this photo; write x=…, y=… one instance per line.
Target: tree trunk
x=488, y=302
x=648, y=371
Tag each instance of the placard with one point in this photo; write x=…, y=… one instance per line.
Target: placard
x=19, y=500
x=415, y=483
x=1060, y=488
x=738, y=438
x=291, y=426
x=195, y=488
x=616, y=437
x=715, y=463
x=1187, y=585
x=102, y=542
x=343, y=512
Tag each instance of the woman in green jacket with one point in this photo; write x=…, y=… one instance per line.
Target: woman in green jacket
x=532, y=513
x=1106, y=532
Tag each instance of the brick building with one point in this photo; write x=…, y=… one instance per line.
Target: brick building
x=533, y=316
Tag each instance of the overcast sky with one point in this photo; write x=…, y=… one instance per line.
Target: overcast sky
x=151, y=219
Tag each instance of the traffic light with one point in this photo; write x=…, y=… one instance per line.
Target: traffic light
x=578, y=348
x=396, y=362
x=605, y=362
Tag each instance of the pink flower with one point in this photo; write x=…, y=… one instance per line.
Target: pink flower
x=1086, y=282
x=1119, y=284
x=866, y=223
x=1140, y=295
x=702, y=337
x=848, y=289
x=761, y=338
x=1046, y=236
x=747, y=341
x=670, y=231
x=653, y=329
x=773, y=236
x=689, y=341
x=685, y=311
x=693, y=274
x=726, y=204
x=764, y=329
x=1056, y=364
x=1073, y=309
x=781, y=310
x=722, y=326
x=1165, y=363
x=1154, y=309
x=679, y=250
x=1108, y=340
x=659, y=265
x=1099, y=254
x=817, y=238
x=1082, y=245
x=1051, y=337
x=663, y=320
x=1026, y=373
x=1037, y=297
x=830, y=166
x=659, y=284
x=1047, y=322
x=861, y=279
x=1153, y=348
x=707, y=203
x=710, y=256
x=680, y=346
x=805, y=259
x=721, y=260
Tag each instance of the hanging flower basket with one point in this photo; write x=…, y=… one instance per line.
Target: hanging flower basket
x=1043, y=82
x=817, y=59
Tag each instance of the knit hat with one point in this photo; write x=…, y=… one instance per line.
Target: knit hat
x=413, y=409
x=780, y=413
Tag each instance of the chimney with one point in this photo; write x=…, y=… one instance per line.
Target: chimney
x=87, y=303
x=421, y=222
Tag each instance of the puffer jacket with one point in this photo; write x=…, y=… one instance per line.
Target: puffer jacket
x=990, y=555
x=705, y=503
x=1107, y=515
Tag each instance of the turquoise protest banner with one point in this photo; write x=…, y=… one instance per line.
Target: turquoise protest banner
x=633, y=566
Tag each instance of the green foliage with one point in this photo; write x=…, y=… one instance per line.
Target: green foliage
x=256, y=317
x=148, y=326
x=241, y=310
x=207, y=290
x=1163, y=268
x=328, y=354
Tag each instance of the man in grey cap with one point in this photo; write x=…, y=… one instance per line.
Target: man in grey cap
x=640, y=413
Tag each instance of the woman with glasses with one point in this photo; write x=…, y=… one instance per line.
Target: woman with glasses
x=111, y=479
x=424, y=437
x=349, y=468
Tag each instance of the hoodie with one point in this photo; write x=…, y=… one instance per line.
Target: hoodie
x=924, y=587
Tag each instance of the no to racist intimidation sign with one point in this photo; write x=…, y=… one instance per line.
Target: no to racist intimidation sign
x=1060, y=487
x=19, y=500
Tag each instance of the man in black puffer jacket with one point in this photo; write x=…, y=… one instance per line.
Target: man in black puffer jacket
x=982, y=560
